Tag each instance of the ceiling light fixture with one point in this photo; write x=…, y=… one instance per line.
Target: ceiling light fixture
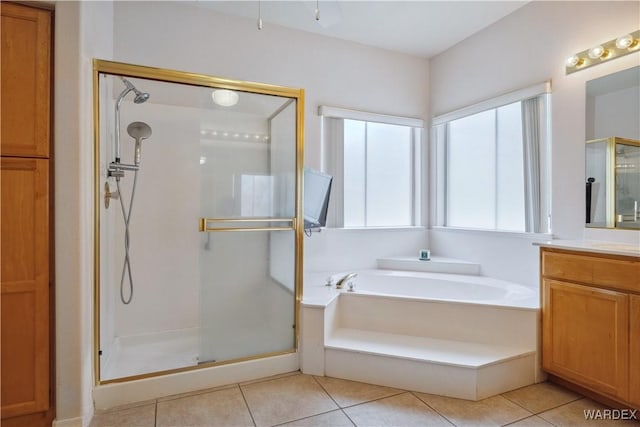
x=612, y=49
x=225, y=97
x=317, y=10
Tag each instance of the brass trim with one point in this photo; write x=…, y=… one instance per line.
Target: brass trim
x=96, y=225
x=195, y=79
x=160, y=74
x=196, y=367
x=203, y=224
x=299, y=224
x=216, y=230
x=248, y=219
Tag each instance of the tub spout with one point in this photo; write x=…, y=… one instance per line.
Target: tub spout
x=346, y=280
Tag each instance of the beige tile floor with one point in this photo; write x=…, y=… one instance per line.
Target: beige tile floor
x=303, y=400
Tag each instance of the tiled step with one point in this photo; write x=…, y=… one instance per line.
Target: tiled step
x=435, y=265
x=450, y=368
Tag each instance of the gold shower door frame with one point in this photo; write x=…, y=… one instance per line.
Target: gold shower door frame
x=296, y=223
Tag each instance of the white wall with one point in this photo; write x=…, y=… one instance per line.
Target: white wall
x=332, y=72
x=524, y=48
x=82, y=31
x=614, y=114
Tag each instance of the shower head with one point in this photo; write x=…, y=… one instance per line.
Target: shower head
x=138, y=131
x=140, y=96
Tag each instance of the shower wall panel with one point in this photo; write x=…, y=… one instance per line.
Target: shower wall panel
x=163, y=226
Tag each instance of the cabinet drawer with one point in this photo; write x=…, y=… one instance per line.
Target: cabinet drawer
x=567, y=266
x=620, y=274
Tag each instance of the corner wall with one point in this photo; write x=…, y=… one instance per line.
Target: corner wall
x=82, y=31
x=525, y=48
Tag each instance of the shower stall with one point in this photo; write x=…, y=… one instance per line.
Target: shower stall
x=198, y=221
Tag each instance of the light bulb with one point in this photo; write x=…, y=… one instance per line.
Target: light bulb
x=625, y=42
x=597, y=52
x=574, y=61
x=225, y=97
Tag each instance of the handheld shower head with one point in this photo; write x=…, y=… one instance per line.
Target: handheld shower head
x=138, y=131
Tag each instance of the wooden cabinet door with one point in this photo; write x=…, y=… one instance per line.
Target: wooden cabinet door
x=585, y=333
x=634, y=351
x=24, y=286
x=25, y=74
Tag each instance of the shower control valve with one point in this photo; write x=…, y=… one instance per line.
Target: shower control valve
x=108, y=195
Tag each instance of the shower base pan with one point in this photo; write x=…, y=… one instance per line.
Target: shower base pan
x=142, y=354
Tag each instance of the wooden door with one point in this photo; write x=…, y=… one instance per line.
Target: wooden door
x=25, y=79
x=585, y=334
x=634, y=351
x=25, y=286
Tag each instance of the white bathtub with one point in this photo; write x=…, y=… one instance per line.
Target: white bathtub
x=442, y=287
x=463, y=336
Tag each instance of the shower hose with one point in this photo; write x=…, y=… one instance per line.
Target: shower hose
x=126, y=216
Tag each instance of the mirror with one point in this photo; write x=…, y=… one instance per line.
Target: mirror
x=612, y=172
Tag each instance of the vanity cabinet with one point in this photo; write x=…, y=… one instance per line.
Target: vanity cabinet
x=591, y=321
x=634, y=351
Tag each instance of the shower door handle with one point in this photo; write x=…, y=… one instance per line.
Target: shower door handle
x=231, y=224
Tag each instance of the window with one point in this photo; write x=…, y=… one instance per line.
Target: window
x=492, y=165
x=375, y=162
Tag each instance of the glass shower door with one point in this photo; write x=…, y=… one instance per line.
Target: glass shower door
x=248, y=231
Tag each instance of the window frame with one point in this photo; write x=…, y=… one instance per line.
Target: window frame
x=439, y=135
x=333, y=162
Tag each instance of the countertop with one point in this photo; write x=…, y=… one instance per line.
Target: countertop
x=595, y=246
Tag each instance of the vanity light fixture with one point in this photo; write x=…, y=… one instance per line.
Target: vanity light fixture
x=615, y=48
x=225, y=97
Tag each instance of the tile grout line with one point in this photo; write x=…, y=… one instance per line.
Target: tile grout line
x=247, y=405
x=432, y=408
x=340, y=408
x=537, y=414
x=305, y=418
x=361, y=403
x=530, y=412
x=560, y=406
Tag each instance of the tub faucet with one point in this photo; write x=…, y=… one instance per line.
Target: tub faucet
x=346, y=280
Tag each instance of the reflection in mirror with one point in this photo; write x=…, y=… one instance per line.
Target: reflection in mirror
x=196, y=219
x=612, y=179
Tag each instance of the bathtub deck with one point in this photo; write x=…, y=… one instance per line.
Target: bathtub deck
x=436, y=264
x=423, y=349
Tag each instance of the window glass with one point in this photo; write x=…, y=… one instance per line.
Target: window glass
x=389, y=175
x=354, y=173
x=471, y=163
x=485, y=170
x=378, y=174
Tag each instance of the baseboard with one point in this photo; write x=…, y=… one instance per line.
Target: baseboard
x=70, y=422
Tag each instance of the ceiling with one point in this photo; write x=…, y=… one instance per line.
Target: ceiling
x=421, y=28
